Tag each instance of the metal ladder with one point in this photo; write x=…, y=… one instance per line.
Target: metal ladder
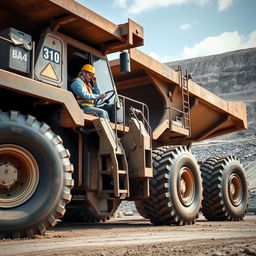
x=113, y=167
x=185, y=99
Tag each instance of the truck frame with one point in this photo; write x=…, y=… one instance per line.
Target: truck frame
x=58, y=162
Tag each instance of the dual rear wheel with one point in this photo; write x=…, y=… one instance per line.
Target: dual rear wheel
x=226, y=191
x=178, y=185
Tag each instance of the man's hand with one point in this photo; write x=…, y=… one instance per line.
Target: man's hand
x=94, y=79
x=103, y=95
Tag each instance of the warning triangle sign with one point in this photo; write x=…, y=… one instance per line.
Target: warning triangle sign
x=49, y=72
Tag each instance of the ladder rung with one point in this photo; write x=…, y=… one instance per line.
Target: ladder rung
x=122, y=172
x=123, y=191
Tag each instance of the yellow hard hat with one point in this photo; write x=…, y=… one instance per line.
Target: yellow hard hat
x=88, y=68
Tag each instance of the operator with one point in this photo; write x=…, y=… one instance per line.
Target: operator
x=87, y=92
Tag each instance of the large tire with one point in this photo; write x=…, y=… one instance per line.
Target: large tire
x=35, y=176
x=176, y=188
x=225, y=186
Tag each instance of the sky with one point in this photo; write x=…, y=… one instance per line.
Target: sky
x=183, y=29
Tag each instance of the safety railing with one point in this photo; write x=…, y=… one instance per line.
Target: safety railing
x=125, y=108
x=178, y=116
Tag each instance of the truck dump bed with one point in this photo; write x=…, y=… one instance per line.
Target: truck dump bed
x=181, y=111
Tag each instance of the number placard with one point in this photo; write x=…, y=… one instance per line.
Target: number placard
x=51, y=55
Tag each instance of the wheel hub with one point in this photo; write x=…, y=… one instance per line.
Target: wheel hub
x=186, y=186
x=235, y=189
x=19, y=175
x=183, y=187
x=8, y=175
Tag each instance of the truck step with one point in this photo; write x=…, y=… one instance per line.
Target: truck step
x=113, y=167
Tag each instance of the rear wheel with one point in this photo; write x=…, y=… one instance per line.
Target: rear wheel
x=35, y=176
x=176, y=189
x=225, y=189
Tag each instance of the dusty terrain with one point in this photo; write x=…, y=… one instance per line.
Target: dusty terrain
x=136, y=236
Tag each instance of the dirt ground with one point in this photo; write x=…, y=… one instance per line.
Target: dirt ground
x=136, y=236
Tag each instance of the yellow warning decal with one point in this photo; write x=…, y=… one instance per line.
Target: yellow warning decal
x=49, y=72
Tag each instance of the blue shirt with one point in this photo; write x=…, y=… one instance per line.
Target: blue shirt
x=79, y=90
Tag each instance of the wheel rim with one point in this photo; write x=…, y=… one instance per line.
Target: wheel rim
x=186, y=186
x=19, y=175
x=235, y=189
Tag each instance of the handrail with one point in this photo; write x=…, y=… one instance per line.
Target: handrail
x=178, y=110
x=149, y=130
x=144, y=112
x=143, y=108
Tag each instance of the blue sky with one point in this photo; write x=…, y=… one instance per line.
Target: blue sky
x=182, y=29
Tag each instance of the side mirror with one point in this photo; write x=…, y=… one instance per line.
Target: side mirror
x=125, y=66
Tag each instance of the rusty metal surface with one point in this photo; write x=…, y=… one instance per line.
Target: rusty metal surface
x=49, y=94
x=72, y=19
x=158, y=86
x=72, y=115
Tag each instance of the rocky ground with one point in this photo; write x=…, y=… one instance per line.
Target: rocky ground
x=137, y=236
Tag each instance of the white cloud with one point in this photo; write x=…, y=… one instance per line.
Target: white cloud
x=225, y=42
x=225, y=4
x=120, y=3
x=139, y=6
x=161, y=59
x=185, y=26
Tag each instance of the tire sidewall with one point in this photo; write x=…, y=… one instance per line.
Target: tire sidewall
x=191, y=211
x=235, y=168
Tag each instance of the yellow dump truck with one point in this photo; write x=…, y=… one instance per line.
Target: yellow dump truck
x=58, y=162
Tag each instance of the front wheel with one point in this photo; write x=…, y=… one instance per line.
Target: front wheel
x=35, y=176
x=225, y=189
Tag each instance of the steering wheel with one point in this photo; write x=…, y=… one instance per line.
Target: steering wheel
x=100, y=101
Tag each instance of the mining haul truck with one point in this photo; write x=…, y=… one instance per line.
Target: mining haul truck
x=58, y=162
